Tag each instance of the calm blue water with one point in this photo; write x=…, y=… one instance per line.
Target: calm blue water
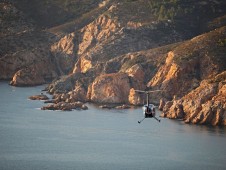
x=32, y=139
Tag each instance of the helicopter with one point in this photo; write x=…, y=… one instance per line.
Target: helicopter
x=148, y=109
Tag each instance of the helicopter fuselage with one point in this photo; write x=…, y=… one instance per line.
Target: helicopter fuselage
x=149, y=110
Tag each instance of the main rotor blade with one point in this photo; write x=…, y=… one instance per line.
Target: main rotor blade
x=141, y=91
x=152, y=91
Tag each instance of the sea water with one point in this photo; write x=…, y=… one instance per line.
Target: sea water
x=100, y=139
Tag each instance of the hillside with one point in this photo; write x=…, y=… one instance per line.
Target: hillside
x=49, y=13
x=100, y=51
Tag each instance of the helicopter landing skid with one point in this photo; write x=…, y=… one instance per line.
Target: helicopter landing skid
x=157, y=119
x=141, y=120
x=153, y=117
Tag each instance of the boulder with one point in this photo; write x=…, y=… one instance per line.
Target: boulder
x=162, y=103
x=27, y=77
x=137, y=72
x=110, y=88
x=78, y=94
x=65, y=106
x=134, y=97
x=124, y=106
x=106, y=106
x=39, y=97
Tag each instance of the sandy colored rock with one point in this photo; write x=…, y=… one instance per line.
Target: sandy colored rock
x=27, y=77
x=110, y=88
x=204, y=105
x=134, y=97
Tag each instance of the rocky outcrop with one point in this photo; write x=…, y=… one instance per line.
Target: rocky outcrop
x=27, y=77
x=39, y=97
x=65, y=106
x=190, y=63
x=110, y=88
x=76, y=85
x=114, y=106
x=204, y=105
x=136, y=72
x=63, y=101
x=21, y=57
x=65, y=53
x=134, y=98
x=91, y=37
x=26, y=70
x=197, y=80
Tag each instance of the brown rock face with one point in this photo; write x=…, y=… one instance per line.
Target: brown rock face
x=110, y=88
x=137, y=72
x=162, y=103
x=26, y=70
x=38, y=61
x=39, y=97
x=91, y=37
x=204, y=105
x=174, y=78
x=189, y=63
x=197, y=78
x=97, y=31
x=65, y=53
x=134, y=97
x=27, y=77
x=78, y=94
x=23, y=47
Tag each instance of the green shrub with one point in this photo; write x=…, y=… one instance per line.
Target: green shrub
x=221, y=42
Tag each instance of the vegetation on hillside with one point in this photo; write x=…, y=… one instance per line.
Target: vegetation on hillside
x=188, y=18
x=173, y=9
x=48, y=13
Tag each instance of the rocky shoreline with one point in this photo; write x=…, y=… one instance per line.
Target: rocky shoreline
x=60, y=102
x=119, y=47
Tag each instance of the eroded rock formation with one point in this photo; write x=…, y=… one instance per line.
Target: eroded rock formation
x=113, y=88
x=204, y=105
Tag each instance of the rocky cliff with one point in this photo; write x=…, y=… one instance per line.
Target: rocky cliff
x=195, y=79
x=191, y=75
x=204, y=105
x=100, y=51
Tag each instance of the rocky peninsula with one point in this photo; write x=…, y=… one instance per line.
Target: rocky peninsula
x=110, y=48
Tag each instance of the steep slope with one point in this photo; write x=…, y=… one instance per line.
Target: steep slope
x=194, y=60
x=24, y=52
x=131, y=26
x=13, y=21
x=194, y=72
x=120, y=27
x=203, y=105
x=49, y=13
